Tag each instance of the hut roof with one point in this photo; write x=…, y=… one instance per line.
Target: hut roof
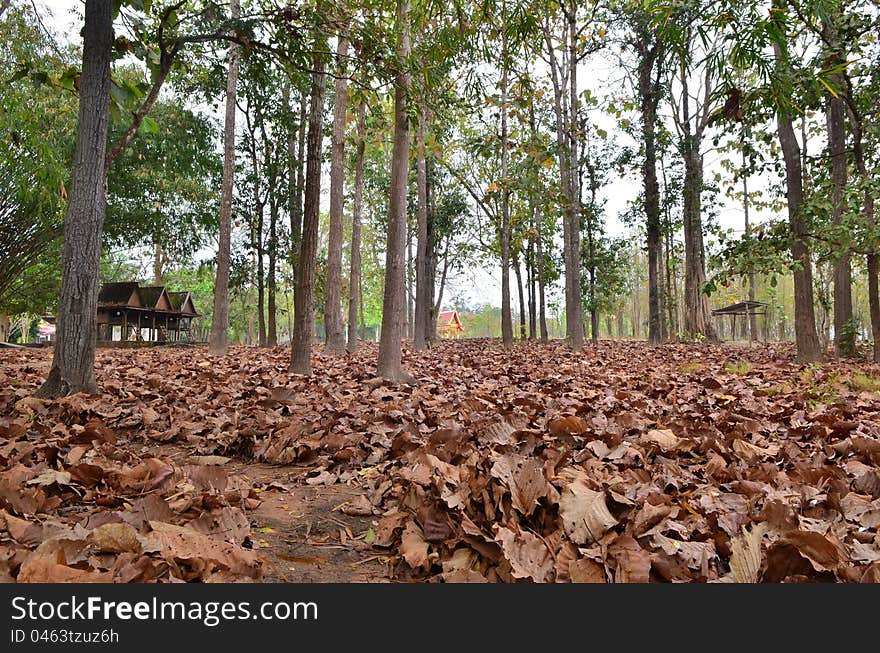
x=450, y=319
x=155, y=297
x=182, y=301
x=740, y=308
x=119, y=294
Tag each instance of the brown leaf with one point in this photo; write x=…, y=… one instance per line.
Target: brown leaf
x=42, y=570
x=585, y=516
x=527, y=554
x=525, y=479
x=665, y=439
x=413, y=547
x=115, y=538
x=745, y=563
x=633, y=564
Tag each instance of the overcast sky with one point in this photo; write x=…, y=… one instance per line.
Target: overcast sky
x=484, y=285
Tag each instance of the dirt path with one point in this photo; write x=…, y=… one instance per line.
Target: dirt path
x=303, y=530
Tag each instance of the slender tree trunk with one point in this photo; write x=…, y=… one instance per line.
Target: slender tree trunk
x=539, y=243
x=220, y=317
x=697, y=315
x=506, y=318
x=261, y=279
x=73, y=363
x=523, y=332
x=648, y=101
x=573, y=304
x=872, y=259
x=531, y=280
x=158, y=261
x=257, y=245
x=844, y=333
x=430, y=256
x=335, y=336
x=390, y=354
x=808, y=348
x=422, y=308
x=753, y=320
x=354, y=277
x=565, y=128
x=304, y=298
x=297, y=171
x=272, y=246
x=442, y=288
x=410, y=295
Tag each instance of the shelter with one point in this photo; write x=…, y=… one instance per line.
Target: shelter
x=449, y=324
x=746, y=309
x=130, y=312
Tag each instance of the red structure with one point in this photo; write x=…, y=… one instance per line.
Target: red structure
x=449, y=324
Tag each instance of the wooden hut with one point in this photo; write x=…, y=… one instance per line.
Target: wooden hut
x=745, y=309
x=449, y=324
x=129, y=312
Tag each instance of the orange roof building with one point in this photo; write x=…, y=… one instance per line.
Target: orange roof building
x=449, y=324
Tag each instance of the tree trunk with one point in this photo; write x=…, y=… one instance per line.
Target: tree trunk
x=539, y=244
x=697, y=316
x=439, y=299
x=334, y=334
x=565, y=128
x=808, y=348
x=506, y=318
x=73, y=364
x=523, y=332
x=844, y=333
x=573, y=303
x=259, y=252
x=158, y=260
x=530, y=282
x=410, y=295
x=295, y=188
x=753, y=320
x=422, y=309
x=272, y=246
x=304, y=298
x=354, y=277
x=872, y=262
x=220, y=317
x=389, y=360
x=648, y=101
x=430, y=256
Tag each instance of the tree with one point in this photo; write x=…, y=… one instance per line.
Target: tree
x=73, y=363
x=389, y=362
x=335, y=337
x=354, y=277
x=805, y=318
x=220, y=323
x=691, y=123
x=304, y=310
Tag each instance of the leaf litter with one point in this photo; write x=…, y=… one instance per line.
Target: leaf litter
x=529, y=465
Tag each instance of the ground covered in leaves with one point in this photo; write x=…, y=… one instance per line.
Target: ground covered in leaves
x=623, y=463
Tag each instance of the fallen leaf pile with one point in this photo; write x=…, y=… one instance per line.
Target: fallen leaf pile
x=622, y=463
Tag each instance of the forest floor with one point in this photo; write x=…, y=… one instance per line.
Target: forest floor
x=622, y=463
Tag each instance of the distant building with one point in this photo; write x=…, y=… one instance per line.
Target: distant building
x=129, y=312
x=449, y=324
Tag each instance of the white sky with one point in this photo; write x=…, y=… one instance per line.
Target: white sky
x=478, y=285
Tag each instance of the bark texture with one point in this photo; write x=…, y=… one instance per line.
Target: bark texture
x=220, y=317
x=304, y=296
x=74, y=359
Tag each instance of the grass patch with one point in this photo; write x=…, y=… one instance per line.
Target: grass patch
x=691, y=368
x=776, y=389
x=740, y=368
x=861, y=382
